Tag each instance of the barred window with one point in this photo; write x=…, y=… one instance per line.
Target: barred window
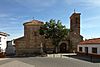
x=94, y=50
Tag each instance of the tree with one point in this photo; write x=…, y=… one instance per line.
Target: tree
x=55, y=31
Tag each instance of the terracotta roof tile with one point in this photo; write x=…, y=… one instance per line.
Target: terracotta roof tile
x=91, y=41
x=4, y=34
x=33, y=22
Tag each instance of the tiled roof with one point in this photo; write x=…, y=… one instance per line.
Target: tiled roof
x=33, y=22
x=90, y=41
x=4, y=34
x=20, y=38
x=74, y=14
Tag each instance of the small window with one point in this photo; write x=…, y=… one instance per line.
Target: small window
x=80, y=49
x=76, y=20
x=0, y=49
x=0, y=39
x=71, y=25
x=94, y=50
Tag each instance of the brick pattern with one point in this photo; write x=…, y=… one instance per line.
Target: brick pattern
x=74, y=31
x=31, y=41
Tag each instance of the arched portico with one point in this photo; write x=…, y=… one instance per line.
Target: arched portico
x=63, y=47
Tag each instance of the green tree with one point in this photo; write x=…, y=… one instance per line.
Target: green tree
x=55, y=31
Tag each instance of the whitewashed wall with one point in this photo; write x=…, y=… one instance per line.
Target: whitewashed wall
x=3, y=43
x=90, y=46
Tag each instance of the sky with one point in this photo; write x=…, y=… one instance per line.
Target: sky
x=13, y=13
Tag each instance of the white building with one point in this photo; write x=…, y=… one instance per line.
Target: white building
x=89, y=47
x=3, y=41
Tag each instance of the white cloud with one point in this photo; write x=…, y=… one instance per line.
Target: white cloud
x=36, y=3
x=14, y=18
x=90, y=27
x=91, y=22
x=90, y=3
x=93, y=2
x=3, y=15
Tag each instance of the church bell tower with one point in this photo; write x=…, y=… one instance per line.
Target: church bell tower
x=74, y=31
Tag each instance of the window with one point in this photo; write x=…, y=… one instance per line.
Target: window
x=94, y=50
x=86, y=50
x=76, y=20
x=0, y=39
x=80, y=49
x=0, y=49
x=71, y=25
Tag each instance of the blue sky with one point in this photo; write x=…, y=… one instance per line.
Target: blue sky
x=13, y=13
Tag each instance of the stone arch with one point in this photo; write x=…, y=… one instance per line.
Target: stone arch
x=63, y=46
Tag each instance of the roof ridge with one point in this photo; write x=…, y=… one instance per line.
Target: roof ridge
x=34, y=22
x=91, y=41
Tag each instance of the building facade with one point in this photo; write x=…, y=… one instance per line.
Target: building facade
x=89, y=47
x=31, y=41
x=74, y=36
x=3, y=41
x=10, y=49
x=69, y=44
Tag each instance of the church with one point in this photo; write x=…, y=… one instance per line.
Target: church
x=30, y=43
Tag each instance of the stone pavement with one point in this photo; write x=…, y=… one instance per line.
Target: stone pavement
x=46, y=62
x=16, y=64
x=3, y=59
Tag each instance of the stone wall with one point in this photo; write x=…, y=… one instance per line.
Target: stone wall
x=31, y=42
x=75, y=37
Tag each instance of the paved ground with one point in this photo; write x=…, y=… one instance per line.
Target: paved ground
x=16, y=63
x=46, y=62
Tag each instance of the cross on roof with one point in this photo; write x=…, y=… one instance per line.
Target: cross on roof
x=74, y=11
x=33, y=18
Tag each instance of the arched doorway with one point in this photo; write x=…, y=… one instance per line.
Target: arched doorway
x=63, y=48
